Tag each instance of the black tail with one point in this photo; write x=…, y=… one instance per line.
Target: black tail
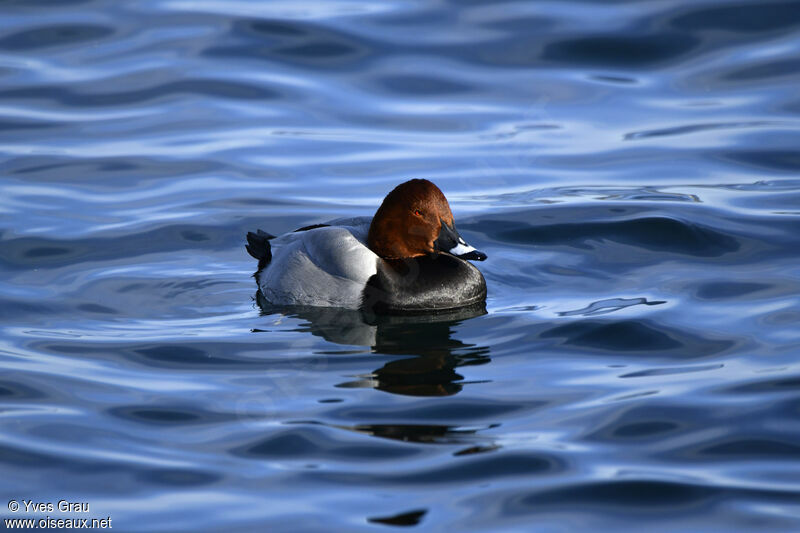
x=258, y=246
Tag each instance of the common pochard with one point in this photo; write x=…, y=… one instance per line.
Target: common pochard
x=409, y=257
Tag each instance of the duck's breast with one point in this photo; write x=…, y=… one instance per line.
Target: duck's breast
x=433, y=282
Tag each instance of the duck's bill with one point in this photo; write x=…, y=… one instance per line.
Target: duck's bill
x=472, y=255
x=450, y=241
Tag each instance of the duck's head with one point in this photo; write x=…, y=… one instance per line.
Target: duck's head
x=415, y=219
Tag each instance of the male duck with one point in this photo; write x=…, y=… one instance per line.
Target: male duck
x=407, y=258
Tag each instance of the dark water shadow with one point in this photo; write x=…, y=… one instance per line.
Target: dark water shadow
x=12, y=391
x=409, y=518
x=643, y=498
x=639, y=337
x=697, y=128
x=24, y=253
x=54, y=35
x=167, y=415
x=766, y=158
x=651, y=233
x=629, y=51
x=300, y=442
x=289, y=41
x=741, y=18
x=198, y=87
x=639, y=425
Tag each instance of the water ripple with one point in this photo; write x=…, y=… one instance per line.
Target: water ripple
x=630, y=168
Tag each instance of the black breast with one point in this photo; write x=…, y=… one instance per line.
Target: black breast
x=434, y=282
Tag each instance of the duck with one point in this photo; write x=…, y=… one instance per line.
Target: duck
x=407, y=258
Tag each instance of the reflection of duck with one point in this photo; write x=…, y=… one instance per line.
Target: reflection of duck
x=417, y=376
x=408, y=258
x=430, y=434
x=427, y=337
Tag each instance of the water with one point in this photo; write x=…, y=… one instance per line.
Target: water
x=630, y=168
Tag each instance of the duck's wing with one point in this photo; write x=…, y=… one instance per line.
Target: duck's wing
x=358, y=226
x=326, y=266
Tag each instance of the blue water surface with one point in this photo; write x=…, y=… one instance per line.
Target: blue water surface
x=631, y=168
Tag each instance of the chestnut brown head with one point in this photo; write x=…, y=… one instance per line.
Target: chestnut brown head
x=415, y=219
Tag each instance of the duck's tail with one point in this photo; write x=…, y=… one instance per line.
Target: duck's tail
x=258, y=246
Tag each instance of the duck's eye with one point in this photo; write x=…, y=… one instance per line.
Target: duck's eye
x=418, y=212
